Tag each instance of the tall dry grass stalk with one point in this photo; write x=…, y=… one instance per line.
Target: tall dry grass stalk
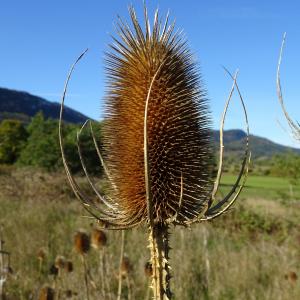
x=158, y=139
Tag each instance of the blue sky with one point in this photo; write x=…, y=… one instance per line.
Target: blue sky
x=39, y=40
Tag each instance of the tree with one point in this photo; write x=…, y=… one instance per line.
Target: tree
x=287, y=165
x=13, y=137
x=43, y=150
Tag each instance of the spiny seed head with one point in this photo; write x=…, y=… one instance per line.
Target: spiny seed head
x=68, y=266
x=178, y=134
x=46, y=293
x=81, y=242
x=291, y=276
x=60, y=262
x=41, y=254
x=126, y=266
x=53, y=270
x=98, y=238
x=70, y=293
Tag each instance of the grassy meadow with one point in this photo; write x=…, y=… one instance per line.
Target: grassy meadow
x=250, y=253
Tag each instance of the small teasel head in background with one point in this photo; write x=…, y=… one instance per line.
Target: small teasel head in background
x=68, y=266
x=46, y=293
x=98, y=238
x=82, y=242
x=126, y=266
x=60, y=262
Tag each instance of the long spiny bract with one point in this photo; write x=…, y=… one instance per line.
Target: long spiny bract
x=177, y=123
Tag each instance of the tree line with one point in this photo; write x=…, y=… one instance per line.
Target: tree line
x=37, y=145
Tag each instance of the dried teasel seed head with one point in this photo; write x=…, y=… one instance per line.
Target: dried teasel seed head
x=126, y=266
x=291, y=276
x=41, y=254
x=177, y=123
x=46, y=293
x=98, y=238
x=69, y=266
x=60, y=262
x=81, y=242
x=148, y=269
x=53, y=270
x=70, y=293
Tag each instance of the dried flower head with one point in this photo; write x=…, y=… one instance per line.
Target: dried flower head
x=126, y=266
x=81, y=242
x=41, y=254
x=291, y=276
x=98, y=238
x=70, y=293
x=157, y=140
x=53, y=270
x=46, y=293
x=68, y=266
x=156, y=132
x=60, y=262
x=177, y=124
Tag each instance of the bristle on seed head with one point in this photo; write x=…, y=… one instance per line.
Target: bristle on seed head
x=178, y=122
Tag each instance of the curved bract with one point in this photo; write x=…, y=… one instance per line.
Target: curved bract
x=295, y=127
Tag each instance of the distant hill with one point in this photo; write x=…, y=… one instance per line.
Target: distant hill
x=22, y=106
x=235, y=140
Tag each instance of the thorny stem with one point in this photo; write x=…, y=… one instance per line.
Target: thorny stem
x=159, y=246
x=158, y=239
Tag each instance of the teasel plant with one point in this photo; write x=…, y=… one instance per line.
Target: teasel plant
x=82, y=247
x=99, y=243
x=157, y=152
x=295, y=127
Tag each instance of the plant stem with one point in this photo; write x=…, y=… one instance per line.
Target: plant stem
x=159, y=245
x=85, y=270
x=120, y=266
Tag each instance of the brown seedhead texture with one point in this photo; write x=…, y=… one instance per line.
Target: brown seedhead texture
x=46, y=293
x=178, y=123
x=98, y=238
x=41, y=254
x=81, y=242
x=126, y=266
x=60, y=262
x=69, y=266
x=53, y=270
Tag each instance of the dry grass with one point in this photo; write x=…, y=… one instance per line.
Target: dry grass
x=252, y=252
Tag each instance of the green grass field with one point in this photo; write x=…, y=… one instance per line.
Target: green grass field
x=266, y=187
